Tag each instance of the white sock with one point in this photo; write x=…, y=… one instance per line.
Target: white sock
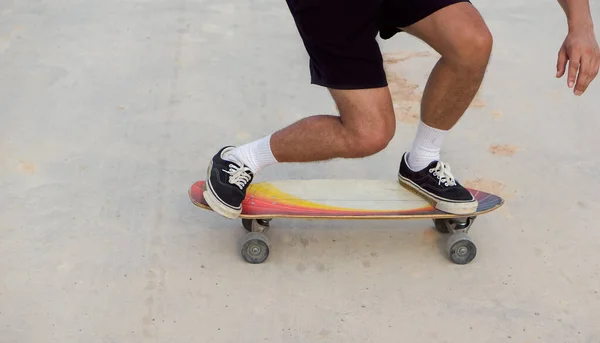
x=426, y=147
x=255, y=155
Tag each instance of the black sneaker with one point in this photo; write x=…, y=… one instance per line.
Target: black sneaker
x=226, y=184
x=437, y=185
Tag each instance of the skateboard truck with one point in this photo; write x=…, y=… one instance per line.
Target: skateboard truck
x=256, y=225
x=459, y=224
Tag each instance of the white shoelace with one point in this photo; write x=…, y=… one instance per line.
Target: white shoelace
x=444, y=174
x=238, y=175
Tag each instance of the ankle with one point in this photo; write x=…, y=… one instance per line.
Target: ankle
x=426, y=146
x=255, y=155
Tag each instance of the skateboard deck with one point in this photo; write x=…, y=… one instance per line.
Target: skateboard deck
x=346, y=199
x=340, y=199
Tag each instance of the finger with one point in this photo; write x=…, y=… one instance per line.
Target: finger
x=573, y=67
x=561, y=62
x=596, y=68
x=585, y=76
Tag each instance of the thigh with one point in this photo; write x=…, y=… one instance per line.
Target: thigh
x=339, y=36
x=452, y=28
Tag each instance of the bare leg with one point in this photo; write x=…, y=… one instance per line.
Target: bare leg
x=365, y=126
x=461, y=36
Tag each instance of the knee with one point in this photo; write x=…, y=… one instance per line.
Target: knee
x=481, y=46
x=473, y=48
x=370, y=139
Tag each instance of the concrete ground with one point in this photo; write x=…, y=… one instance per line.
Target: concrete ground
x=111, y=109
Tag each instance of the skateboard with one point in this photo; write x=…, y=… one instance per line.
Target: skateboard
x=346, y=199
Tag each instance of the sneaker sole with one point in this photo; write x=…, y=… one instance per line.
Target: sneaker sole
x=452, y=207
x=214, y=202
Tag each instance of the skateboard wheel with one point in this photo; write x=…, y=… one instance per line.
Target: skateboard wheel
x=461, y=248
x=255, y=247
x=441, y=225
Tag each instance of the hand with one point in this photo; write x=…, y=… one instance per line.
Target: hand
x=580, y=49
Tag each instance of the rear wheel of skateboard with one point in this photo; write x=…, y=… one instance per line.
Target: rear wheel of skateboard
x=255, y=247
x=461, y=248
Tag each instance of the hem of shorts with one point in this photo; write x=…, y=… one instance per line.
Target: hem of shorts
x=441, y=5
x=349, y=86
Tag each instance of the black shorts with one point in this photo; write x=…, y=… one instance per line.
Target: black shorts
x=340, y=36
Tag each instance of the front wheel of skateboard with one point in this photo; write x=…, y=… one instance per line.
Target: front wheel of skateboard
x=461, y=248
x=255, y=247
